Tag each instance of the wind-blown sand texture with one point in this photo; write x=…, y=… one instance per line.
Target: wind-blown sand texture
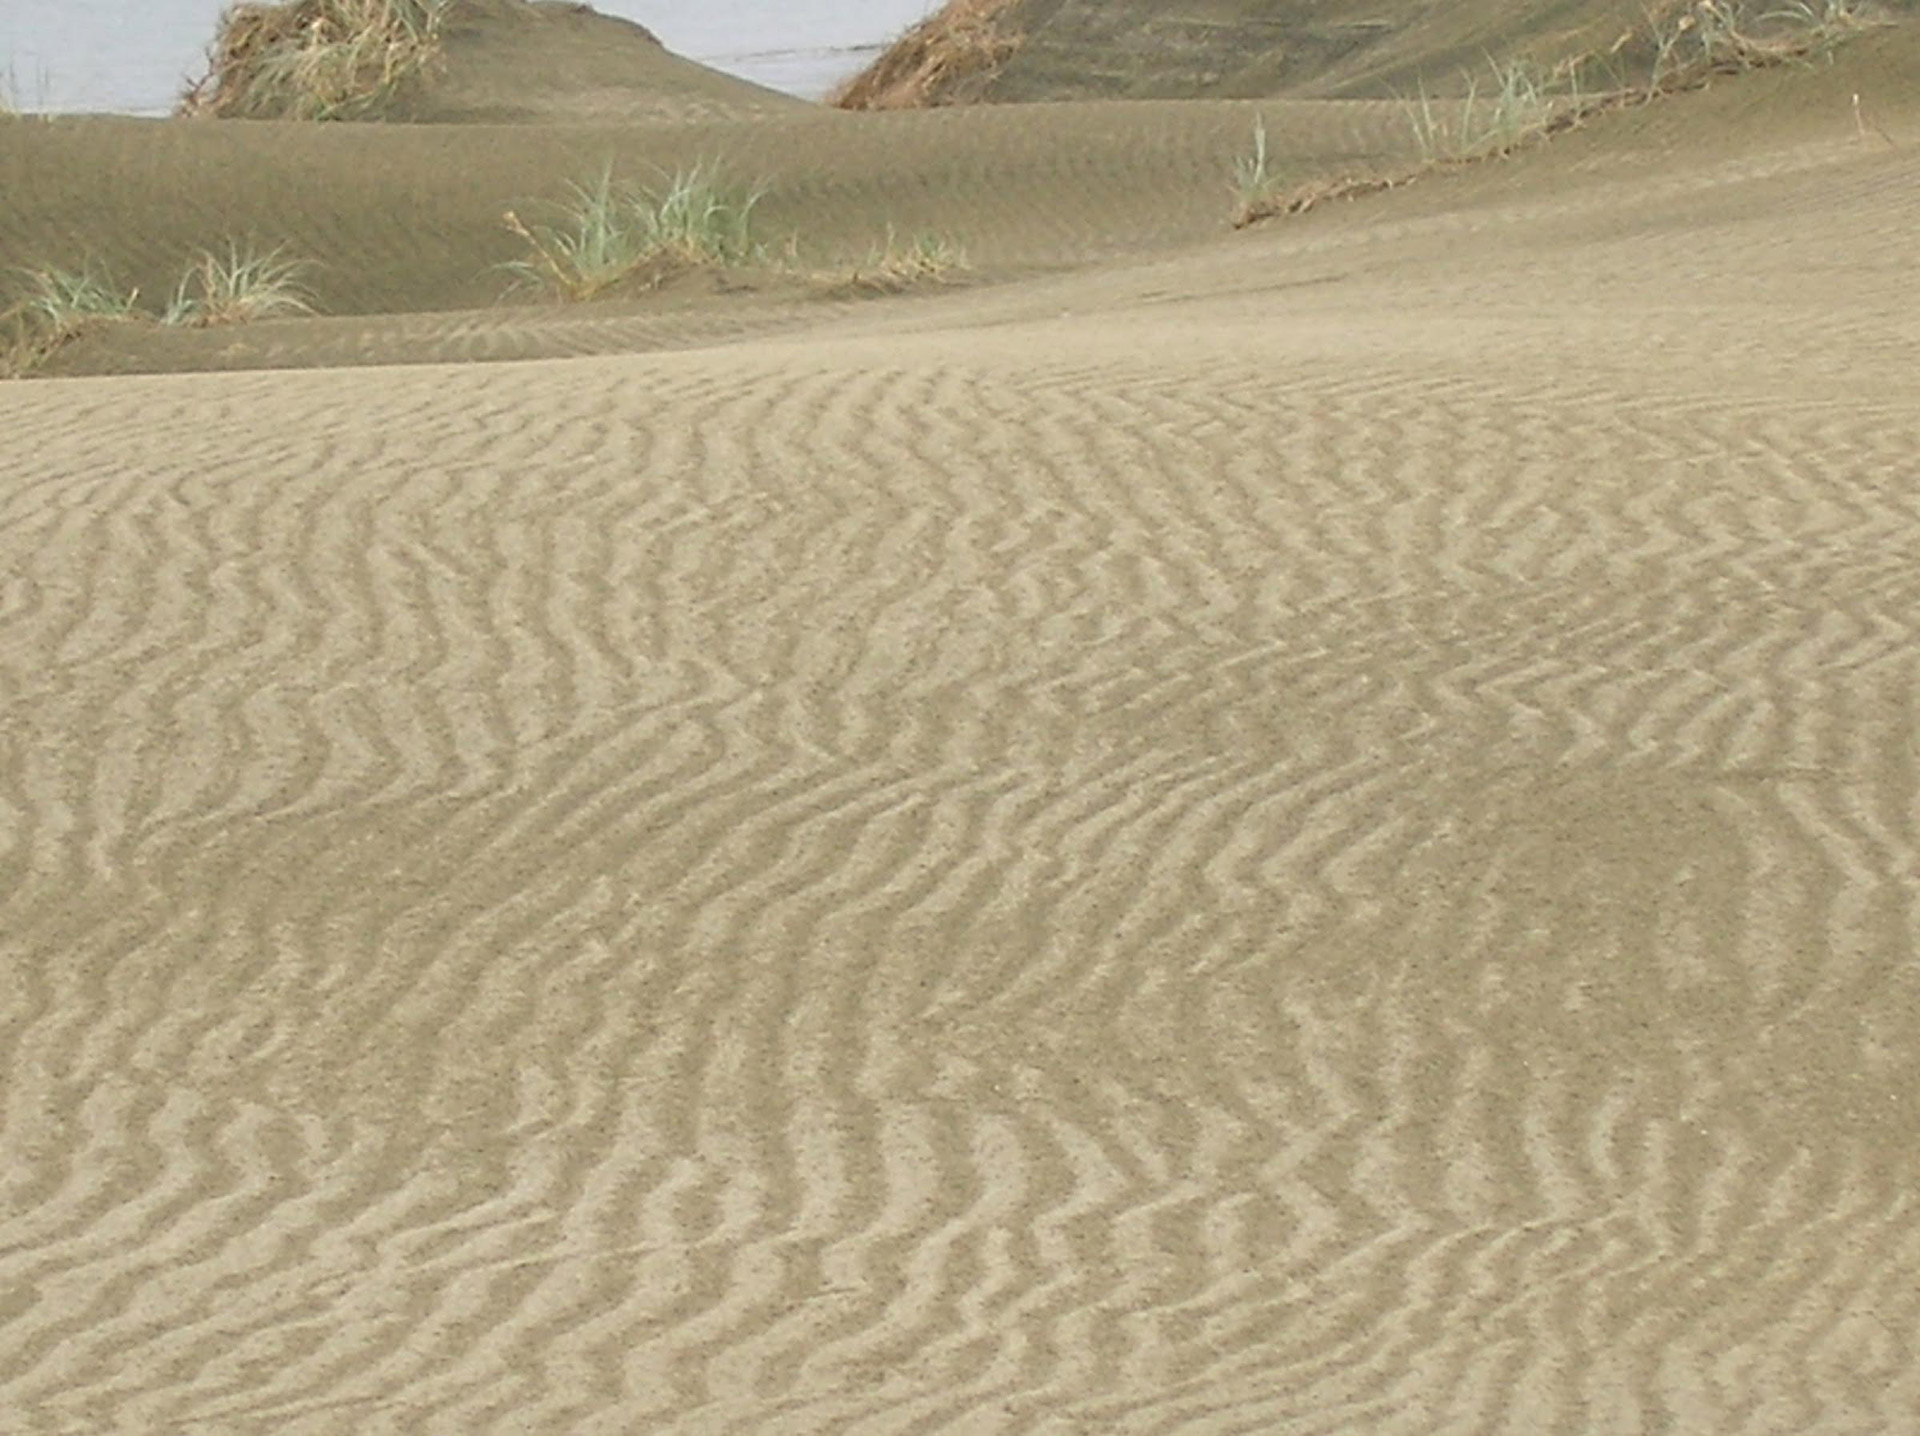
x=1310, y=831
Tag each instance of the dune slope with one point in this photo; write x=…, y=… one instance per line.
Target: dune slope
x=1105, y=49
x=406, y=219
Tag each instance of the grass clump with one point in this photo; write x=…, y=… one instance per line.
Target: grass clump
x=1683, y=47
x=241, y=285
x=697, y=218
x=1254, y=184
x=315, y=59
x=1518, y=108
x=609, y=233
x=59, y=305
x=952, y=54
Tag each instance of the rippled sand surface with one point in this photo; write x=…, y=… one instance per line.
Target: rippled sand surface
x=1317, y=834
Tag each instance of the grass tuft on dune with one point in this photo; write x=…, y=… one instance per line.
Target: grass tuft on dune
x=315, y=59
x=65, y=301
x=59, y=306
x=1681, y=47
x=1519, y=106
x=609, y=233
x=965, y=41
x=239, y=285
x=899, y=263
x=234, y=286
x=1693, y=42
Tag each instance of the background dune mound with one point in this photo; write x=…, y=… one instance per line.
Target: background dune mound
x=501, y=61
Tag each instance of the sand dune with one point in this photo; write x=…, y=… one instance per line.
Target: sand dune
x=1141, y=49
x=1306, y=831
x=407, y=219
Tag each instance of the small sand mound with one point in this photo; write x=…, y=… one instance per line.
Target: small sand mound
x=948, y=58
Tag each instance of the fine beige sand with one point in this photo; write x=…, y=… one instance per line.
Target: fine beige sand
x=1313, y=830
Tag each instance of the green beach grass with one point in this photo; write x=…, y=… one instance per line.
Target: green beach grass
x=609, y=233
x=234, y=285
x=242, y=283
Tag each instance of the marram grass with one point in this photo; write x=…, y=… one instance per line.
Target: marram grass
x=315, y=59
x=1683, y=44
x=608, y=233
x=232, y=286
x=902, y=262
x=240, y=285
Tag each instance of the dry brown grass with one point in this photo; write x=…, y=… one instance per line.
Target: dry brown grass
x=1692, y=41
x=1311, y=194
x=24, y=344
x=314, y=59
x=944, y=59
x=897, y=264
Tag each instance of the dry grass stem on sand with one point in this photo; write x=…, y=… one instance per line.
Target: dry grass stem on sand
x=899, y=264
x=963, y=43
x=1683, y=48
x=1298, y=199
x=610, y=233
x=315, y=59
x=23, y=346
x=66, y=301
x=1693, y=42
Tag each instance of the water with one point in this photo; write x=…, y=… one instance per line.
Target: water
x=133, y=58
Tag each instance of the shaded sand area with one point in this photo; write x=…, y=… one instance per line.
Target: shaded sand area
x=1305, y=831
x=1032, y=50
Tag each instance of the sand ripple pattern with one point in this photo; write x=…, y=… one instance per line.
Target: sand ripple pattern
x=1100, y=879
